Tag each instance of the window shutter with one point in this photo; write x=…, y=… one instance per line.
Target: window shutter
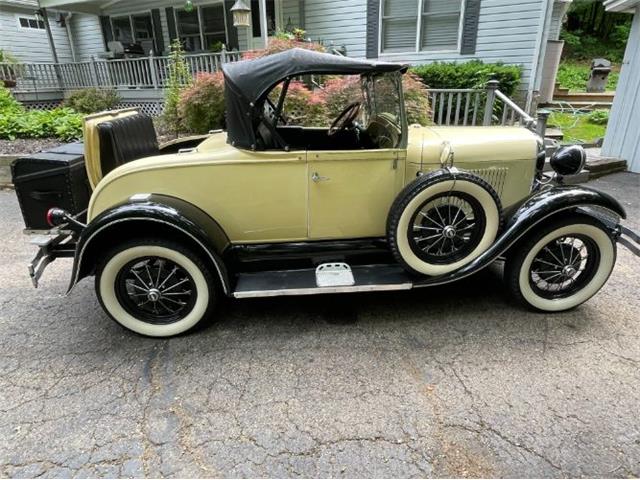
x=171, y=24
x=158, y=38
x=107, y=32
x=470, y=27
x=232, y=32
x=373, y=27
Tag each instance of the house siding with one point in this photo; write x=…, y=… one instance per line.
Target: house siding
x=506, y=32
x=147, y=5
x=86, y=36
x=623, y=135
x=338, y=22
x=29, y=45
x=291, y=13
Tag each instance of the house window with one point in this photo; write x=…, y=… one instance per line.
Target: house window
x=213, y=26
x=255, y=17
x=31, y=22
x=189, y=29
x=122, y=30
x=420, y=25
x=143, y=31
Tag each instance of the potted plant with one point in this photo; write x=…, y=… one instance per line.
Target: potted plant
x=8, y=69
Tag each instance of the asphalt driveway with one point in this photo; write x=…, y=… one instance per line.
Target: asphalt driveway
x=452, y=381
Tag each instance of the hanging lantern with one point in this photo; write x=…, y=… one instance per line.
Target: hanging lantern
x=241, y=14
x=188, y=6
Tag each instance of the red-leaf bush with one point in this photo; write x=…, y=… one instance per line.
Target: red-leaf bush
x=277, y=45
x=302, y=106
x=416, y=100
x=201, y=105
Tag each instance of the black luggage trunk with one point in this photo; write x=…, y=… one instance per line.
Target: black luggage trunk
x=54, y=178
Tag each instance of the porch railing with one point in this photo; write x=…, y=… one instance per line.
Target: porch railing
x=144, y=72
x=455, y=107
x=484, y=106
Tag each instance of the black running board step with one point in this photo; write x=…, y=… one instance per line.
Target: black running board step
x=367, y=278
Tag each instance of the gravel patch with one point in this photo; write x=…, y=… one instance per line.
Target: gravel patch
x=27, y=145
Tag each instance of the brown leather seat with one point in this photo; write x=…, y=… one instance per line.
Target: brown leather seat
x=125, y=139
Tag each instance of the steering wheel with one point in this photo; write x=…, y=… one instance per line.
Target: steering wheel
x=345, y=119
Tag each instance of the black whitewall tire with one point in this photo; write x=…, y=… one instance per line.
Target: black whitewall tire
x=438, y=224
x=561, y=265
x=155, y=288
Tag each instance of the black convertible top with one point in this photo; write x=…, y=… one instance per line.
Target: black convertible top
x=248, y=82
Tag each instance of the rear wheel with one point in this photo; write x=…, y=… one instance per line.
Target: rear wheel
x=155, y=288
x=562, y=264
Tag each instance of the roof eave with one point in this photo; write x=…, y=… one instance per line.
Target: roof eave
x=621, y=5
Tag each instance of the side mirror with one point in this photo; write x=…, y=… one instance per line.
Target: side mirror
x=569, y=160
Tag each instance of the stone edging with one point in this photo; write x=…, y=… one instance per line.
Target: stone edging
x=5, y=169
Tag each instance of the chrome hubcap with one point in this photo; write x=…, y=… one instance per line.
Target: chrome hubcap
x=449, y=231
x=154, y=295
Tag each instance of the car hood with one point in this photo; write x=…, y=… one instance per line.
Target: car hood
x=471, y=144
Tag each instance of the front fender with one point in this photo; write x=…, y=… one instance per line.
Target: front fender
x=531, y=213
x=151, y=214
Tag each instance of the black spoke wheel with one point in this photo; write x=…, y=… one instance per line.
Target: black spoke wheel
x=155, y=290
x=443, y=220
x=446, y=228
x=564, y=266
x=560, y=263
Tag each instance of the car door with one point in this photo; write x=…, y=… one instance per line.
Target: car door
x=350, y=191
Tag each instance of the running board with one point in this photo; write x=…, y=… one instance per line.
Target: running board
x=366, y=278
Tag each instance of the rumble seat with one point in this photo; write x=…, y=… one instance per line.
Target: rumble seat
x=125, y=139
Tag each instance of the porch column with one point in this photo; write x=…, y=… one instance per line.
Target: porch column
x=263, y=22
x=47, y=27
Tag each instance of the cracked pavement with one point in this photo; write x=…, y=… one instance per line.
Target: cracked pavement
x=451, y=381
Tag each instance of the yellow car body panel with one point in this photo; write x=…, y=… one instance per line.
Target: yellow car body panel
x=278, y=196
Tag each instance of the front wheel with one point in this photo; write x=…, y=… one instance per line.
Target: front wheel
x=155, y=288
x=561, y=265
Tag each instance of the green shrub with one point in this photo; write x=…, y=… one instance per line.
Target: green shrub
x=62, y=123
x=178, y=78
x=7, y=102
x=201, y=105
x=575, y=76
x=599, y=117
x=474, y=74
x=16, y=122
x=91, y=100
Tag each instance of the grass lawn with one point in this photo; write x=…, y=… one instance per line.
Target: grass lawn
x=574, y=76
x=576, y=128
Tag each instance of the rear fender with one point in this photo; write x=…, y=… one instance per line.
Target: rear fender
x=155, y=215
x=535, y=210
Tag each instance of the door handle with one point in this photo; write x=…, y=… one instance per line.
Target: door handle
x=316, y=177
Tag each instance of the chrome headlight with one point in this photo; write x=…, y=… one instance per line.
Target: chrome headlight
x=568, y=160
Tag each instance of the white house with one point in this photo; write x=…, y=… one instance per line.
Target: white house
x=622, y=139
x=416, y=31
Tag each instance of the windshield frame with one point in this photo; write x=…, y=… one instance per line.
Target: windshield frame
x=368, y=83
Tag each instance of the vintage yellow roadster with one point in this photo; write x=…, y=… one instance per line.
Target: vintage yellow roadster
x=267, y=208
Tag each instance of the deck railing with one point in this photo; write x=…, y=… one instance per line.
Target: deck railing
x=481, y=106
x=456, y=107
x=144, y=72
